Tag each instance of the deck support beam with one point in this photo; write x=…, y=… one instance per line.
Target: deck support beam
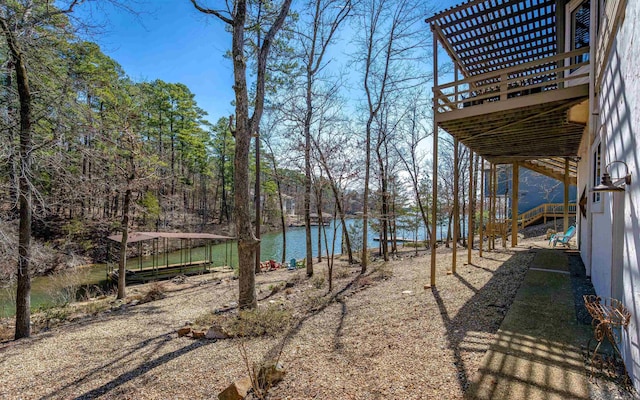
x=470, y=209
x=566, y=194
x=456, y=204
x=494, y=195
x=434, y=180
x=481, y=227
x=514, y=204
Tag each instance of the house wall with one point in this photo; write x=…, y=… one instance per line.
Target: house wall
x=601, y=243
x=584, y=222
x=616, y=231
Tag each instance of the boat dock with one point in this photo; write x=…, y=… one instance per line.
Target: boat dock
x=160, y=266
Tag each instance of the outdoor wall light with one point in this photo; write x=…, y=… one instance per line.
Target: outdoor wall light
x=607, y=185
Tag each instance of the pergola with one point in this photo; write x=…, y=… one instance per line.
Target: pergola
x=516, y=97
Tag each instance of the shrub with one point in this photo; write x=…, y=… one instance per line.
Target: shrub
x=341, y=272
x=270, y=321
x=156, y=292
x=355, y=235
x=318, y=281
x=64, y=286
x=45, y=315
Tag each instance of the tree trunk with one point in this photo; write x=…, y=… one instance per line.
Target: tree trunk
x=320, y=220
x=365, y=200
x=384, y=208
x=345, y=231
x=449, y=236
x=393, y=226
x=12, y=162
x=122, y=264
x=224, y=209
x=247, y=241
x=307, y=177
x=23, y=291
x=257, y=200
x=473, y=201
x=282, y=220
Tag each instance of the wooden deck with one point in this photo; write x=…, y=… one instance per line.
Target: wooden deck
x=514, y=114
x=147, y=274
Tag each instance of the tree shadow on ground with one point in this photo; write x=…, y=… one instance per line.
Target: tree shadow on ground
x=528, y=317
x=147, y=365
x=275, y=351
x=483, y=312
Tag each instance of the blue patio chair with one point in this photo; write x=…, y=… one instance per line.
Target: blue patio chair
x=563, y=238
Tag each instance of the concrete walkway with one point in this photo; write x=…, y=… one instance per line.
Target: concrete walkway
x=537, y=353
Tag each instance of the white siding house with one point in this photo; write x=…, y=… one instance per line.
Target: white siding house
x=610, y=235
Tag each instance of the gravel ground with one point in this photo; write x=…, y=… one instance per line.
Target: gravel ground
x=605, y=384
x=378, y=336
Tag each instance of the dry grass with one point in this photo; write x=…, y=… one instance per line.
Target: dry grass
x=265, y=320
x=156, y=292
x=378, y=336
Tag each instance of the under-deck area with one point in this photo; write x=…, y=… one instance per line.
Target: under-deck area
x=514, y=90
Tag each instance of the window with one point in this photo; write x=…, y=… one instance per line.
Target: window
x=580, y=21
x=597, y=173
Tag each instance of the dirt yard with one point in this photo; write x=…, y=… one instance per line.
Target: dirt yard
x=377, y=336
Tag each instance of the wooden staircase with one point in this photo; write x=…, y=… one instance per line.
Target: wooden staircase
x=544, y=212
x=501, y=228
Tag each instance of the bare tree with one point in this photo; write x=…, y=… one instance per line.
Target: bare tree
x=339, y=168
x=391, y=39
x=235, y=15
x=276, y=175
x=412, y=158
x=323, y=20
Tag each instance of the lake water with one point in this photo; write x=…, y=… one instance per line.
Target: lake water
x=44, y=288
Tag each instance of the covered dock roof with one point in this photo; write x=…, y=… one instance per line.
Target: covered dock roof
x=142, y=236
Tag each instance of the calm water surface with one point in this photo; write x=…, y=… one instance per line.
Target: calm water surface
x=44, y=288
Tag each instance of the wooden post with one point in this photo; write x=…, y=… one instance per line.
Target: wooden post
x=514, y=204
x=456, y=204
x=470, y=209
x=434, y=206
x=481, y=225
x=494, y=195
x=434, y=200
x=489, y=209
x=566, y=195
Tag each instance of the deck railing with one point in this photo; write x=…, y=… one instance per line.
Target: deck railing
x=532, y=77
x=548, y=210
x=501, y=227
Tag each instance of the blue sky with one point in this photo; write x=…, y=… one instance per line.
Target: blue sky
x=170, y=40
